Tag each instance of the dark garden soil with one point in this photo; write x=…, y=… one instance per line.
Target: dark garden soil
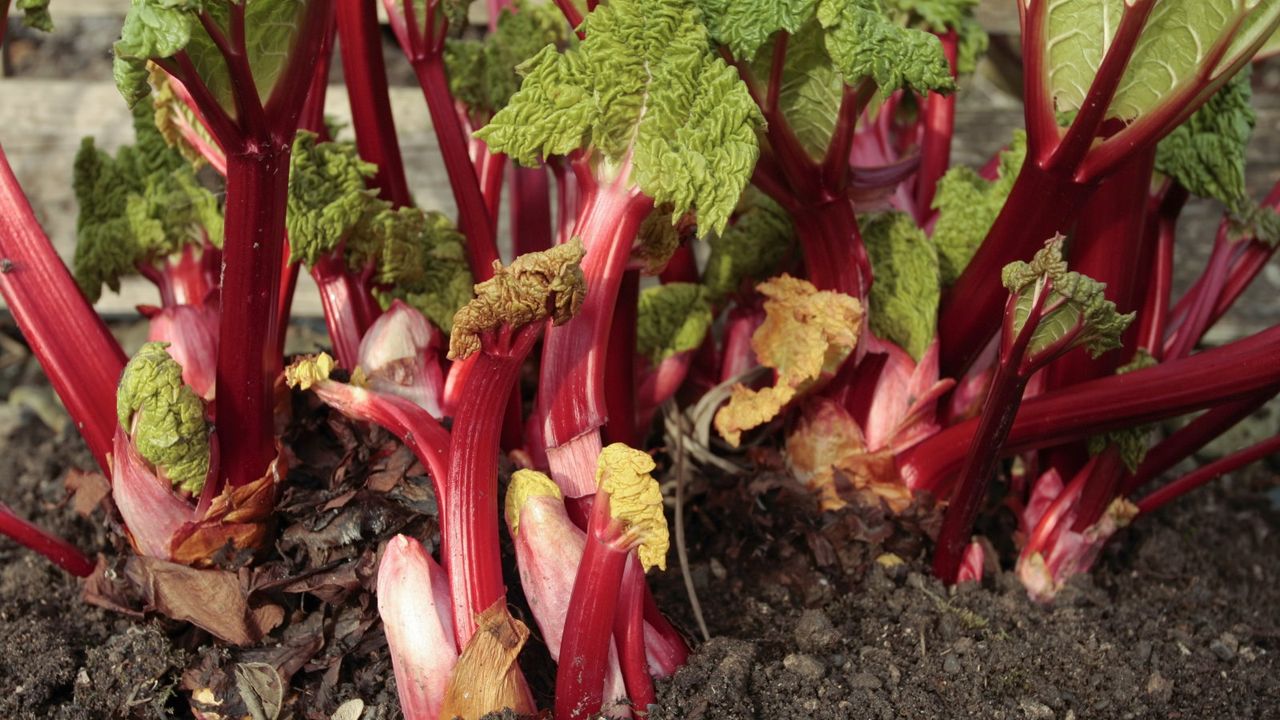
x=1179, y=621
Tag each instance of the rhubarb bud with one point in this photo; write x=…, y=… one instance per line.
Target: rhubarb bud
x=152, y=513
x=413, y=601
x=623, y=474
x=191, y=333
x=971, y=564
x=549, y=548
x=164, y=417
x=536, y=286
x=399, y=355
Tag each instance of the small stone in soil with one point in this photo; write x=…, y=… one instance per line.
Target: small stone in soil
x=1159, y=689
x=814, y=632
x=804, y=665
x=1225, y=647
x=951, y=665
x=1035, y=710
x=865, y=681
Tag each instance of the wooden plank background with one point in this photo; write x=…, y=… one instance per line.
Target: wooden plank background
x=43, y=119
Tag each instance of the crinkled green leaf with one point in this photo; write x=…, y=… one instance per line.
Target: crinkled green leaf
x=1131, y=443
x=865, y=43
x=1206, y=153
x=138, y=207
x=647, y=94
x=36, y=14
x=482, y=73
x=904, y=296
x=750, y=250
x=967, y=207
x=327, y=195
x=746, y=25
x=418, y=257
x=811, y=90
x=656, y=241
x=152, y=29
x=1076, y=310
x=671, y=319
x=164, y=418
x=1173, y=48
x=1259, y=222
x=939, y=16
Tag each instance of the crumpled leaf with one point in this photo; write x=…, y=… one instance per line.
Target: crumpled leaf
x=36, y=14
x=806, y=334
x=218, y=601
x=418, y=257
x=939, y=16
x=827, y=452
x=967, y=207
x=904, y=296
x=327, y=195
x=526, y=484
x=811, y=90
x=139, y=207
x=624, y=475
x=746, y=25
x=536, y=286
x=1206, y=153
x=865, y=43
x=164, y=417
x=749, y=250
x=656, y=241
x=644, y=91
x=1076, y=310
x=487, y=677
x=235, y=525
x=671, y=319
x=482, y=72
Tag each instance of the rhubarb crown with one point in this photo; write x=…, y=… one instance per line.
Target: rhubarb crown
x=536, y=286
x=646, y=92
x=624, y=474
x=164, y=418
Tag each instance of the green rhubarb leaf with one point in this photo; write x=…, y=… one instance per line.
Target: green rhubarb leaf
x=159, y=29
x=536, y=287
x=1173, y=48
x=1076, y=312
x=1131, y=443
x=904, y=296
x=750, y=250
x=746, y=25
x=164, y=418
x=672, y=319
x=864, y=42
x=811, y=89
x=967, y=207
x=36, y=14
x=137, y=208
x=419, y=257
x=646, y=93
x=1206, y=153
x=940, y=16
x=482, y=73
x=327, y=196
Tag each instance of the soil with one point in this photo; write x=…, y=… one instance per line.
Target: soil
x=1178, y=621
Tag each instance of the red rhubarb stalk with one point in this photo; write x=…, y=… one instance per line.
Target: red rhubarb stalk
x=1206, y=474
x=79, y=355
x=56, y=550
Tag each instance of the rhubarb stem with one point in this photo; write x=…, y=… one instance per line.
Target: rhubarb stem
x=55, y=549
x=366, y=73
x=79, y=355
x=1204, y=475
x=257, y=190
x=628, y=633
